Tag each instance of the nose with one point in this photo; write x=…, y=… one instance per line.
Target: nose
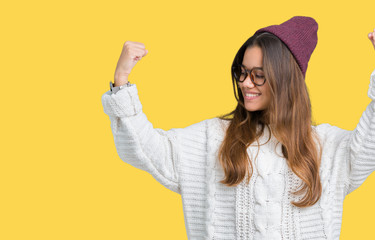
x=247, y=82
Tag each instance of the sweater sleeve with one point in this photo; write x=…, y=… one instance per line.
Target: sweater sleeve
x=349, y=156
x=137, y=142
x=362, y=144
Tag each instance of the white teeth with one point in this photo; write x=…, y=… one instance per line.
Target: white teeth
x=252, y=95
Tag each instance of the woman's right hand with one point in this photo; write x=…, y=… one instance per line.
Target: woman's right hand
x=131, y=53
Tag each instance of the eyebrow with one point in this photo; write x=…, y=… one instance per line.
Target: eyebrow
x=251, y=68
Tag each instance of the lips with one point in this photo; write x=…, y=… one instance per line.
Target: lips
x=251, y=95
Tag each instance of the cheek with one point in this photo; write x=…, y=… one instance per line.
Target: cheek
x=267, y=89
x=240, y=87
x=267, y=93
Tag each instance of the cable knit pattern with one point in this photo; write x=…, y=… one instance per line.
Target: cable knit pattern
x=211, y=187
x=185, y=160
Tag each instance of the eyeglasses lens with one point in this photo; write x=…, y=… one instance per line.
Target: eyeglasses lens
x=257, y=75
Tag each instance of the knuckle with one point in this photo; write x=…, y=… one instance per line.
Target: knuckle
x=139, y=44
x=128, y=44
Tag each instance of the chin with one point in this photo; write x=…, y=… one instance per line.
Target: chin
x=253, y=108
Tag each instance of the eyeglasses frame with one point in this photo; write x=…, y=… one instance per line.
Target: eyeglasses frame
x=248, y=71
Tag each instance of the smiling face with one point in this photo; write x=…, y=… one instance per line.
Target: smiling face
x=255, y=97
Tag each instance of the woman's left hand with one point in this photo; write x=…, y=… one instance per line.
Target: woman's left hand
x=371, y=36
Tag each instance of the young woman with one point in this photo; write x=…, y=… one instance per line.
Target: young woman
x=263, y=171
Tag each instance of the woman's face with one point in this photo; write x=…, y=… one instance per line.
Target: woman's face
x=255, y=97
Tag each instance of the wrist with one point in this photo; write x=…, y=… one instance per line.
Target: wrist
x=121, y=79
x=114, y=89
x=120, y=83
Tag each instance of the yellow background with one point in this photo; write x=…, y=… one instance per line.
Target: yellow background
x=60, y=175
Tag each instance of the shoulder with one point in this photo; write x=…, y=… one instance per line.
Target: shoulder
x=202, y=127
x=211, y=123
x=211, y=129
x=326, y=128
x=329, y=134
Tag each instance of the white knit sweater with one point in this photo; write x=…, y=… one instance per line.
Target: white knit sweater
x=185, y=161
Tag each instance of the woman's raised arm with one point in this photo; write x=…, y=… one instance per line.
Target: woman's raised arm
x=350, y=155
x=362, y=144
x=362, y=140
x=137, y=142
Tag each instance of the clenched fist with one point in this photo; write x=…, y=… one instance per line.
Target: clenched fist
x=131, y=53
x=371, y=36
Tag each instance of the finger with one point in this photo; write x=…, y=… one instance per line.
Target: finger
x=143, y=51
x=129, y=46
x=138, y=54
x=139, y=44
x=371, y=35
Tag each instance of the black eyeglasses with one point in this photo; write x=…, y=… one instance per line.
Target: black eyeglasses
x=256, y=74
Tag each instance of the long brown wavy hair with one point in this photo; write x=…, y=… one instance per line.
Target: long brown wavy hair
x=288, y=117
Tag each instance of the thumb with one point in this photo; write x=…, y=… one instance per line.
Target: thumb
x=145, y=53
x=371, y=36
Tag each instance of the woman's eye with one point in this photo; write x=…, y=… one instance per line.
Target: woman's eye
x=259, y=76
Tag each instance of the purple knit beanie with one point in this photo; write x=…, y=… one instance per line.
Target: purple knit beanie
x=299, y=34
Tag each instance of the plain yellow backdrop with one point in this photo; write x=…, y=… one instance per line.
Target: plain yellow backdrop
x=60, y=175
